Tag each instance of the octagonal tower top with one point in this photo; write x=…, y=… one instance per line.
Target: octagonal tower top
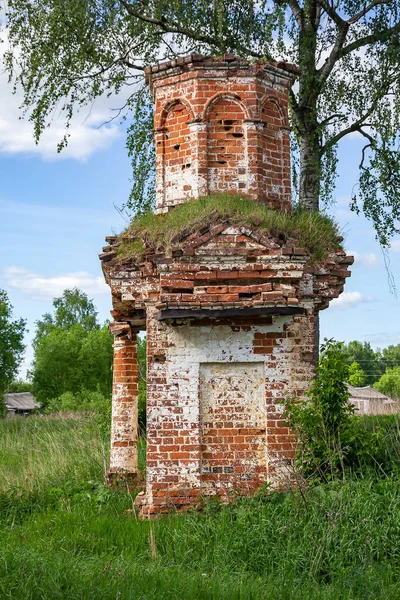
x=221, y=125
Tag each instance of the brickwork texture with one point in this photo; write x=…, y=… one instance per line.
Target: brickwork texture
x=230, y=314
x=221, y=126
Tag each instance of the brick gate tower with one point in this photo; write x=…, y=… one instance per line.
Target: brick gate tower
x=229, y=309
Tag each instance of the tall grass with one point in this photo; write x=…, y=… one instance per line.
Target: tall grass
x=317, y=233
x=39, y=452
x=63, y=534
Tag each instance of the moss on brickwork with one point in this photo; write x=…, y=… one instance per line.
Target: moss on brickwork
x=315, y=232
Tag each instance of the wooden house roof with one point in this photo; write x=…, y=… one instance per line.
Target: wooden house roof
x=20, y=401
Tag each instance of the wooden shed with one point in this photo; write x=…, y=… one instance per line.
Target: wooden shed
x=22, y=403
x=368, y=401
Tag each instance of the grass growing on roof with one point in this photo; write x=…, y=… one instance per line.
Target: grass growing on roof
x=313, y=231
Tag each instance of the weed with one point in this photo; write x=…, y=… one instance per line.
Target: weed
x=64, y=534
x=333, y=441
x=317, y=233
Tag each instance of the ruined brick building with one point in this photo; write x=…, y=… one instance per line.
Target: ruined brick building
x=229, y=312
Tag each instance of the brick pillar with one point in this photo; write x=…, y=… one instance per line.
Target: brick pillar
x=124, y=427
x=159, y=135
x=199, y=148
x=254, y=159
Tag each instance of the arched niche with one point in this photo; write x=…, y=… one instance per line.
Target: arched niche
x=226, y=146
x=177, y=153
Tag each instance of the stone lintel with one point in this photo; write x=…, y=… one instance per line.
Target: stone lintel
x=185, y=313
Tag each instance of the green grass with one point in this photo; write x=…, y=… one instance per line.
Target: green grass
x=315, y=232
x=70, y=537
x=42, y=451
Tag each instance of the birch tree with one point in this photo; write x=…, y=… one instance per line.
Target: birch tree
x=66, y=53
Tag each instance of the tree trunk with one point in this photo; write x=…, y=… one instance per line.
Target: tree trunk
x=310, y=173
x=305, y=111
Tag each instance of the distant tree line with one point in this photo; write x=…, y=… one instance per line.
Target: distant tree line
x=72, y=350
x=11, y=346
x=379, y=368
x=73, y=359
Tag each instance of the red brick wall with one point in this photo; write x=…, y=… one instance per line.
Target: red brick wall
x=233, y=427
x=177, y=159
x=226, y=152
x=233, y=132
x=275, y=151
x=197, y=447
x=217, y=387
x=208, y=431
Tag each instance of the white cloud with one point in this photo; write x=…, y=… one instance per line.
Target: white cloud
x=364, y=260
x=16, y=136
x=383, y=338
x=47, y=288
x=349, y=299
x=395, y=246
x=86, y=133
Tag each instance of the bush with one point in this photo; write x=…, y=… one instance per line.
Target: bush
x=3, y=408
x=19, y=385
x=141, y=352
x=87, y=401
x=389, y=383
x=331, y=439
x=142, y=409
x=322, y=422
x=377, y=444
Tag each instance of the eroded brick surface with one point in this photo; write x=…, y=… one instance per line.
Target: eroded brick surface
x=221, y=126
x=233, y=451
x=196, y=448
x=230, y=312
x=124, y=407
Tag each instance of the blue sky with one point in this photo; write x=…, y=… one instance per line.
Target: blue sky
x=55, y=211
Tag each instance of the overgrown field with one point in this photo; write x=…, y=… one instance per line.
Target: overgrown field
x=63, y=535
